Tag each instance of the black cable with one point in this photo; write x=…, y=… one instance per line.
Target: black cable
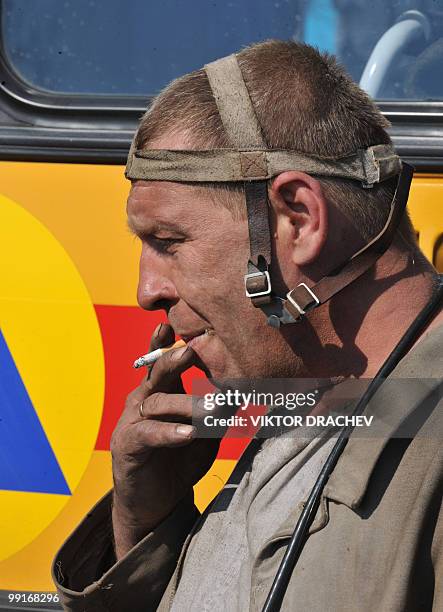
x=298, y=539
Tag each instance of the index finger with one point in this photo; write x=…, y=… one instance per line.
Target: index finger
x=163, y=336
x=167, y=370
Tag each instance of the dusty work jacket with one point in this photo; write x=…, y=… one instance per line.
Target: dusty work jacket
x=376, y=542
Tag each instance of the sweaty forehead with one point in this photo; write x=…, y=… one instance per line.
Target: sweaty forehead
x=158, y=202
x=154, y=205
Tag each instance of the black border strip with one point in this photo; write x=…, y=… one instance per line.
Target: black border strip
x=64, y=145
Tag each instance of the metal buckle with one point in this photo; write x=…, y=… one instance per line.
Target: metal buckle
x=294, y=303
x=265, y=292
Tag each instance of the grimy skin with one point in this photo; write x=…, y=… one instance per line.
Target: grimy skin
x=192, y=264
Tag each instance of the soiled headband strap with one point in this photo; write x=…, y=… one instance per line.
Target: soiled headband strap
x=368, y=166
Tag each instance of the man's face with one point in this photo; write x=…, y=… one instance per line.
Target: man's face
x=192, y=265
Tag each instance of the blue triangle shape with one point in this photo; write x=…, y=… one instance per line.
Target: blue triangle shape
x=27, y=461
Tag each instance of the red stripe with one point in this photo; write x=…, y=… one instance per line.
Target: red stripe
x=126, y=331
x=232, y=448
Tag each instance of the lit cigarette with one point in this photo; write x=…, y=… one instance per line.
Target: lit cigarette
x=154, y=355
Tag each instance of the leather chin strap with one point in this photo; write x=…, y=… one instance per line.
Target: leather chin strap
x=250, y=161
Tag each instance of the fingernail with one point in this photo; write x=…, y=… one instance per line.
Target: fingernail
x=158, y=330
x=178, y=353
x=185, y=430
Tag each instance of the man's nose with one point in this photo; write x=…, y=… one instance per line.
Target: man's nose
x=155, y=289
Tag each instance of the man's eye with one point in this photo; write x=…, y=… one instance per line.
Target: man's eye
x=161, y=245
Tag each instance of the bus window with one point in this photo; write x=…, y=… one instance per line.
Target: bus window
x=114, y=47
x=111, y=47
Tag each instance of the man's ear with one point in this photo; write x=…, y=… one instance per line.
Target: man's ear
x=300, y=215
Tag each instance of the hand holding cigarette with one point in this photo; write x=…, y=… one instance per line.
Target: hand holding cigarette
x=155, y=458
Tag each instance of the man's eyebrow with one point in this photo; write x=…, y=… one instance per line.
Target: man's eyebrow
x=152, y=228
x=132, y=229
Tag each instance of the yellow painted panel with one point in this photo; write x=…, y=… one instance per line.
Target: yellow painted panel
x=426, y=209
x=83, y=206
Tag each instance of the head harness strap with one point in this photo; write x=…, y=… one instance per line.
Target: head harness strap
x=368, y=166
x=234, y=104
x=243, y=130
x=251, y=162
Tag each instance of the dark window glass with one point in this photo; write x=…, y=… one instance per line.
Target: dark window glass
x=135, y=47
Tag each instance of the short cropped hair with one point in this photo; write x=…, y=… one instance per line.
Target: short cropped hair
x=304, y=100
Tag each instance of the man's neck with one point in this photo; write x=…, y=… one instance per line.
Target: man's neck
x=359, y=328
